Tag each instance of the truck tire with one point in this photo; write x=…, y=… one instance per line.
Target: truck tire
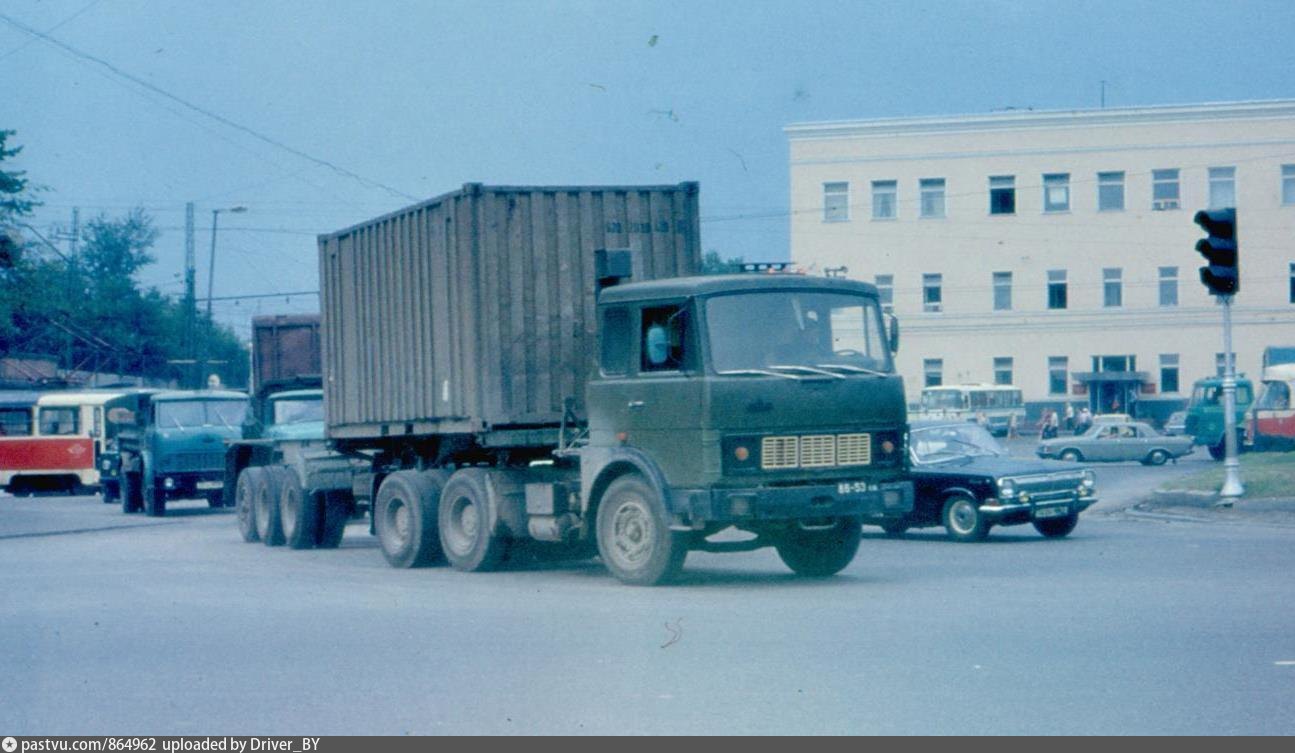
x=111, y=492
x=634, y=536
x=463, y=516
x=131, y=499
x=335, y=509
x=215, y=499
x=299, y=513
x=245, y=503
x=819, y=553
x=404, y=516
x=154, y=494
x=266, y=504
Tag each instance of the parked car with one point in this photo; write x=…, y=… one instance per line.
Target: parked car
x=1117, y=440
x=964, y=480
x=1176, y=425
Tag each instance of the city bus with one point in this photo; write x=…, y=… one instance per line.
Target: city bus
x=994, y=404
x=57, y=446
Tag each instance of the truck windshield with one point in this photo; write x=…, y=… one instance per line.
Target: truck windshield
x=298, y=410
x=183, y=414
x=797, y=332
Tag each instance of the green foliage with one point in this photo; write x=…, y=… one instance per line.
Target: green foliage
x=713, y=264
x=15, y=199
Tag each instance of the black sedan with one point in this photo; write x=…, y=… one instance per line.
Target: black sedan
x=965, y=481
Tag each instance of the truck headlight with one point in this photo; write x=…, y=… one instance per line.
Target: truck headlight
x=1006, y=488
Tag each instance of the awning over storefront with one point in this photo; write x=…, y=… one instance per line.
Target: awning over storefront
x=1084, y=377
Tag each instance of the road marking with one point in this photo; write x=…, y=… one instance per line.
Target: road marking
x=1284, y=663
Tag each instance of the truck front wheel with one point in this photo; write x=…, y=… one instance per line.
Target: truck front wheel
x=634, y=536
x=820, y=552
x=154, y=496
x=131, y=499
x=404, y=514
x=245, y=503
x=469, y=541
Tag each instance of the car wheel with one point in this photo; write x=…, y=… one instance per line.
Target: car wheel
x=962, y=519
x=1157, y=457
x=894, y=528
x=1055, y=528
x=820, y=552
x=1072, y=456
x=634, y=536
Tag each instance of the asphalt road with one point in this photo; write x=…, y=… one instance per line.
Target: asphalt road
x=1130, y=626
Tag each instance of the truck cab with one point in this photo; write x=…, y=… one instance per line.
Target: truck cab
x=1270, y=423
x=1205, y=412
x=172, y=447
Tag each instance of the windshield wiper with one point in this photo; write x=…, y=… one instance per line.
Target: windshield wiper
x=807, y=369
x=851, y=368
x=755, y=372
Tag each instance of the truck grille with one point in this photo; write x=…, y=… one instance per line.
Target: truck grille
x=193, y=461
x=815, y=451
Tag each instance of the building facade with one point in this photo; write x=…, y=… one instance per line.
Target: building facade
x=1056, y=250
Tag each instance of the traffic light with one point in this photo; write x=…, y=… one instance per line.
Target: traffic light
x=1222, y=276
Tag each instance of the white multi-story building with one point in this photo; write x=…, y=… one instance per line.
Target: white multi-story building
x=1056, y=250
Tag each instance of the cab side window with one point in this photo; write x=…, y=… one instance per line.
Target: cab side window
x=663, y=339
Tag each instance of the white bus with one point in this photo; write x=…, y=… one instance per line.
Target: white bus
x=996, y=403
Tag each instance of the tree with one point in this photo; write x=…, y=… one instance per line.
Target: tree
x=15, y=200
x=713, y=264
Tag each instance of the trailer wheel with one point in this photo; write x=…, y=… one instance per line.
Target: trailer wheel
x=245, y=503
x=404, y=514
x=298, y=513
x=820, y=552
x=268, y=525
x=335, y=510
x=130, y=493
x=634, y=536
x=467, y=538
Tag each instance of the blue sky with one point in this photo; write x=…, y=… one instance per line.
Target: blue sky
x=413, y=99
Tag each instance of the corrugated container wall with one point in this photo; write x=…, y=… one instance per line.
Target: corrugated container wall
x=475, y=310
x=284, y=346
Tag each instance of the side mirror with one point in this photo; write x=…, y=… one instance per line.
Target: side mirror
x=892, y=332
x=121, y=416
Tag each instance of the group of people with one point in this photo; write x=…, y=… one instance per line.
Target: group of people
x=1051, y=423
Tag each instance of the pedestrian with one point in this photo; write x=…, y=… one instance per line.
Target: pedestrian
x=1070, y=417
x=1085, y=420
x=1053, y=424
x=1011, y=426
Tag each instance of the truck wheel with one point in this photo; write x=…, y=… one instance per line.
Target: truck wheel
x=130, y=493
x=245, y=503
x=463, y=515
x=1055, y=528
x=215, y=500
x=818, y=553
x=266, y=504
x=111, y=492
x=962, y=519
x=634, y=536
x=298, y=513
x=404, y=514
x=1218, y=451
x=154, y=497
x=335, y=507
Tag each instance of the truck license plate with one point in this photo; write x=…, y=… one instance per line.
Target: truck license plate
x=855, y=487
x=210, y=484
x=1052, y=512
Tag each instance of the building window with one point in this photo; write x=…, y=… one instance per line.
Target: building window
x=932, y=197
x=1219, y=363
x=931, y=296
x=1288, y=184
x=1223, y=187
x=1112, y=287
x=1002, y=194
x=1056, y=288
x=933, y=370
x=1168, y=372
x=1056, y=192
x=1164, y=189
x=1169, y=286
x=884, y=194
x=1058, y=374
x=886, y=292
x=836, y=202
x=1002, y=291
x=1110, y=192
x=1003, y=370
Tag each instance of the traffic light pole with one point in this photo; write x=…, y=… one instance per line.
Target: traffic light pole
x=1232, y=487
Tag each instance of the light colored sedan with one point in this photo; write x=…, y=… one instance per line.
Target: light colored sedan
x=1115, y=441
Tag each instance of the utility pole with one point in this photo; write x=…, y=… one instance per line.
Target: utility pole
x=190, y=296
x=1103, y=94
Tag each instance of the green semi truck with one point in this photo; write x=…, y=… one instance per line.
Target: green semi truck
x=1205, y=413
x=536, y=368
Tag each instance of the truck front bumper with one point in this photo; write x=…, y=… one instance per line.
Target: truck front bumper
x=698, y=507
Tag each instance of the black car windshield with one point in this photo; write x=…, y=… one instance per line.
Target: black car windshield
x=797, y=332
x=184, y=414
x=298, y=410
x=939, y=444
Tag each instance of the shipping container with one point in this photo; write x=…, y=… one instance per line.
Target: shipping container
x=475, y=310
x=285, y=348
